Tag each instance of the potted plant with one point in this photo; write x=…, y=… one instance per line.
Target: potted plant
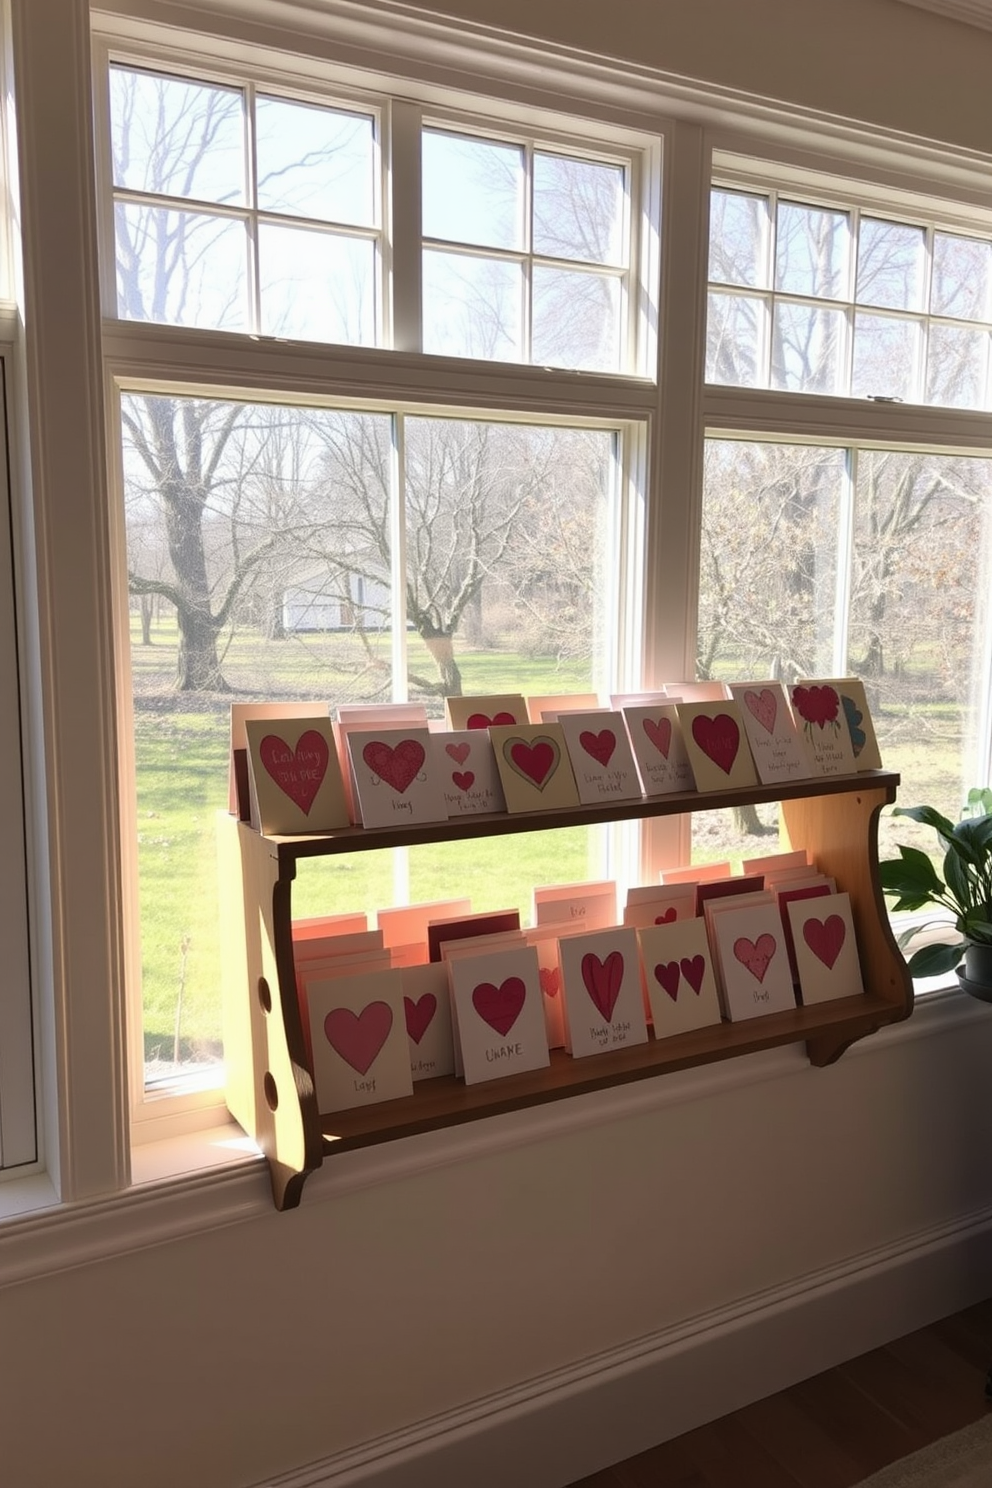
x=965, y=889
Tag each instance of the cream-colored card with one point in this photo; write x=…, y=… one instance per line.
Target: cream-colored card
x=753, y=963
x=427, y=1013
x=562, y=702
x=854, y=705
x=406, y=924
x=294, y=776
x=819, y=715
x=825, y=948
x=466, y=766
x=774, y=862
x=534, y=767
x=696, y=873
x=602, y=760
x=394, y=777
x=587, y=906
x=659, y=749
x=483, y=712
x=663, y=908
x=679, y=975
x=361, y=1053
x=717, y=745
x=499, y=1013
x=240, y=713
x=601, y=985
x=776, y=748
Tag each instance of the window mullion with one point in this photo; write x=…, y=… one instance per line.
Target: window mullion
x=251, y=196
x=402, y=222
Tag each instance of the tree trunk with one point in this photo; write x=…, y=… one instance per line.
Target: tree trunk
x=198, y=667
x=145, y=604
x=442, y=652
x=747, y=821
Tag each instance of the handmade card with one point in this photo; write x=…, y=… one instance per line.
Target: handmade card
x=405, y=924
x=427, y=1013
x=483, y=712
x=499, y=1013
x=698, y=692
x=463, y=927
x=547, y=708
x=819, y=715
x=533, y=765
x=601, y=985
x=238, y=801
x=771, y=862
x=602, y=761
x=361, y=1053
x=394, y=777
x=726, y=888
x=466, y=766
x=294, y=778
x=318, y=926
x=752, y=962
x=695, y=873
x=791, y=893
x=621, y=701
x=679, y=977
x=587, y=906
x=771, y=732
x=544, y=939
x=659, y=749
x=659, y=904
x=854, y=706
x=826, y=950
x=717, y=745
x=365, y=717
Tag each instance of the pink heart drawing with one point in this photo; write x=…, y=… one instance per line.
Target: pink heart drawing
x=660, y=734
x=299, y=773
x=358, y=1037
x=693, y=969
x=667, y=977
x=500, y=1006
x=536, y=761
x=755, y=954
x=464, y=779
x=398, y=766
x=603, y=980
x=482, y=720
x=825, y=938
x=719, y=738
x=599, y=746
x=550, y=981
x=763, y=706
x=419, y=1015
x=666, y=919
x=458, y=752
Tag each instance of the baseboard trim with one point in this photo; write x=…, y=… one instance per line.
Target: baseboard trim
x=563, y=1425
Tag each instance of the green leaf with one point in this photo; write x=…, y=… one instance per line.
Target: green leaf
x=905, y=938
x=960, y=882
x=980, y=796
x=934, y=960
x=912, y=875
x=977, y=928
x=928, y=816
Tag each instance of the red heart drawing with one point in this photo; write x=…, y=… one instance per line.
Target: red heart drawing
x=599, y=746
x=500, y=1006
x=763, y=706
x=719, y=738
x=667, y=976
x=825, y=938
x=419, y=1015
x=755, y=954
x=482, y=720
x=666, y=919
x=458, y=752
x=464, y=779
x=603, y=980
x=397, y=766
x=693, y=969
x=550, y=981
x=299, y=773
x=536, y=762
x=660, y=734
x=358, y=1037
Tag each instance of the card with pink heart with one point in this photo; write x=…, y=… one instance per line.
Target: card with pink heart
x=361, y=1053
x=427, y=1012
x=825, y=947
x=534, y=767
x=466, y=766
x=602, y=760
x=394, y=777
x=717, y=745
x=498, y=1013
x=294, y=776
x=483, y=712
x=752, y=962
x=776, y=747
x=659, y=749
x=601, y=986
x=679, y=975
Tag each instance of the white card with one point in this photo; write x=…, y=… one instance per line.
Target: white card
x=602, y=761
x=427, y=1013
x=466, y=767
x=361, y=1054
x=659, y=749
x=825, y=947
x=601, y=984
x=585, y=906
x=753, y=962
x=771, y=731
x=679, y=975
x=499, y=1013
x=394, y=778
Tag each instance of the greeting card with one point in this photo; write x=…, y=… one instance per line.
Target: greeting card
x=817, y=888
x=363, y=717
x=294, y=778
x=752, y=963
x=466, y=766
x=477, y=946
x=819, y=715
x=621, y=701
x=544, y=939
x=659, y=749
x=725, y=888
x=698, y=692
x=462, y=927
x=854, y=707
x=482, y=712
x=336, y=924
x=679, y=977
x=238, y=799
x=696, y=873
x=394, y=777
x=499, y=1013
x=601, y=985
x=771, y=862
x=588, y=906
x=602, y=761
x=826, y=949
x=358, y=1034
x=717, y=745
x=547, y=708
x=659, y=904
x=771, y=731
x=427, y=1014
x=406, y=924
x=534, y=767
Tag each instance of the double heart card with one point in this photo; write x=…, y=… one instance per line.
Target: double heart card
x=601, y=986
x=602, y=762
x=533, y=766
x=679, y=976
x=427, y=1014
x=658, y=904
x=717, y=745
x=294, y=778
x=466, y=766
x=394, y=777
x=361, y=1052
x=819, y=716
x=826, y=950
x=482, y=712
x=749, y=945
x=498, y=1013
x=771, y=731
x=659, y=749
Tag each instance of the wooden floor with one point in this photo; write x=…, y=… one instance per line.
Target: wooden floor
x=836, y=1428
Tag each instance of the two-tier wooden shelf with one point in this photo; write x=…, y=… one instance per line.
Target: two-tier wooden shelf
x=270, y=1087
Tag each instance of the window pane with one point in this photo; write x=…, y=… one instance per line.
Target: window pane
x=473, y=190
x=317, y=286
x=807, y=347
x=315, y=162
x=891, y=265
x=473, y=307
x=957, y=367
x=812, y=251
x=578, y=209
x=886, y=352
x=181, y=268
x=738, y=230
x=576, y=320
x=177, y=138
x=962, y=276
x=734, y=340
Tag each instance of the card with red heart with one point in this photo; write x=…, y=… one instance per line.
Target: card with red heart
x=361, y=1052
x=534, y=767
x=602, y=760
x=776, y=747
x=294, y=777
x=544, y=939
x=427, y=1013
x=482, y=712
x=238, y=802
x=717, y=745
x=601, y=985
x=466, y=766
x=752, y=962
x=820, y=717
x=679, y=976
x=826, y=948
x=394, y=777
x=659, y=749
x=854, y=707
x=498, y=1013
x=659, y=905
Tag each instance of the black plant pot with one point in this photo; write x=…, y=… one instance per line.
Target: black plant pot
x=976, y=977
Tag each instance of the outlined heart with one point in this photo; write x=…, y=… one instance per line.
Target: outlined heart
x=500, y=1006
x=659, y=731
x=671, y=913
x=419, y=1015
x=693, y=969
x=358, y=1037
x=667, y=976
x=763, y=706
x=464, y=779
x=603, y=980
x=397, y=765
x=756, y=955
x=550, y=981
x=719, y=738
x=825, y=938
x=299, y=773
x=536, y=761
x=458, y=752
x=599, y=746
x=482, y=720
